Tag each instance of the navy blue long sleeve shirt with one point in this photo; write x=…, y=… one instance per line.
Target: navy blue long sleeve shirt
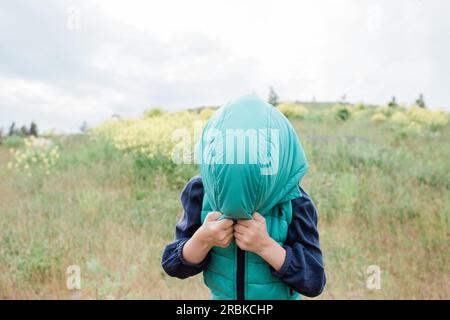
x=302, y=269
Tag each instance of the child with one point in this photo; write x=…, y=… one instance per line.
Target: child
x=247, y=225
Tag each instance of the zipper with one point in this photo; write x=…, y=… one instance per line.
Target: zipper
x=240, y=274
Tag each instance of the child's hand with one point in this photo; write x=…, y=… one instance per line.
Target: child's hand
x=211, y=233
x=251, y=235
x=216, y=233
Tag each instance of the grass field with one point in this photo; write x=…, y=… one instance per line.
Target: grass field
x=383, y=199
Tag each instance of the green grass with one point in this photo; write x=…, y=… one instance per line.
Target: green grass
x=382, y=199
x=13, y=142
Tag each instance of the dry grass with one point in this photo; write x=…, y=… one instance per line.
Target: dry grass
x=95, y=211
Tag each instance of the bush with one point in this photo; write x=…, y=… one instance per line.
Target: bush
x=378, y=118
x=38, y=153
x=146, y=171
x=432, y=120
x=342, y=112
x=154, y=112
x=360, y=106
x=293, y=110
x=399, y=118
x=156, y=144
x=13, y=142
x=386, y=111
x=418, y=121
x=206, y=113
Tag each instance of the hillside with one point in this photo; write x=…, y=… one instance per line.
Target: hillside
x=107, y=201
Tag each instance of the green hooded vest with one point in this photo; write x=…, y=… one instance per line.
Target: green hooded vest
x=250, y=159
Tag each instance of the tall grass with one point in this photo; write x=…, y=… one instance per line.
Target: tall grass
x=383, y=199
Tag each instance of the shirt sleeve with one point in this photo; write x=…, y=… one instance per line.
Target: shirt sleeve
x=303, y=268
x=172, y=260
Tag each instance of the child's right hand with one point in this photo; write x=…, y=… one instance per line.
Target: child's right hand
x=215, y=232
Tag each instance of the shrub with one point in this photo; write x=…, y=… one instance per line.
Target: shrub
x=153, y=137
x=417, y=120
x=378, y=118
x=399, y=118
x=386, y=111
x=206, y=113
x=38, y=152
x=147, y=170
x=341, y=112
x=360, y=106
x=13, y=142
x=432, y=120
x=293, y=110
x=154, y=112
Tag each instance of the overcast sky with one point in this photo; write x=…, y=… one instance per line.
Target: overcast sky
x=65, y=62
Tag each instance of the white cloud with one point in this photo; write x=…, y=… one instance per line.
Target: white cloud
x=31, y=101
x=128, y=56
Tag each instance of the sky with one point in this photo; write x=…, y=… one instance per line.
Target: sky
x=66, y=62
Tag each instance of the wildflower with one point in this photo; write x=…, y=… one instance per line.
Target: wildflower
x=37, y=152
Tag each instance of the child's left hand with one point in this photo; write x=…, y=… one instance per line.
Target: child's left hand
x=251, y=235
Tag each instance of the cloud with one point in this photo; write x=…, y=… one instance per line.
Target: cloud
x=61, y=78
x=35, y=101
x=176, y=54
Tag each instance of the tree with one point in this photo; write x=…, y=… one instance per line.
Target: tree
x=1, y=135
x=343, y=99
x=393, y=103
x=84, y=127
x=273, y=97
x=24, y=131
x=33, y=129
x=421, y=101
x=12, y=129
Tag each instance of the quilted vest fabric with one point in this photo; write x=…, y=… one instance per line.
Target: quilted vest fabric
x=241, y=176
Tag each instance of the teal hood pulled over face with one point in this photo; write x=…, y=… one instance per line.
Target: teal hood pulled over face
x=250, y=158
